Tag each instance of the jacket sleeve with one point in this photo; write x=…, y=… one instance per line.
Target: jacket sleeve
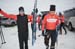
x=38, y=19
x=43, y=23
x=12, y=16
x=30, y=18
x=63, y=18
x=58, y=20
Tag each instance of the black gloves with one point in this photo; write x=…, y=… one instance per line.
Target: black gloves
x=42, y=33
x=0, y=9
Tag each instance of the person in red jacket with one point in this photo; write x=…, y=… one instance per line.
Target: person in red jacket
x=39, y=22
x=22, y=23
x=62, y=23
x=50, y=23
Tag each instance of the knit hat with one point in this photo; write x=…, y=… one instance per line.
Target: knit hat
x=52, y=7
x=21, y=9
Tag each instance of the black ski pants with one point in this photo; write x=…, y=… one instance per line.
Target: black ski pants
x=50, y=34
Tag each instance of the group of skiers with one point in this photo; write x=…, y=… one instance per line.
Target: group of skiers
x=50, y=23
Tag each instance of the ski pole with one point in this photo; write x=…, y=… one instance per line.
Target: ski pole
x=2, y=37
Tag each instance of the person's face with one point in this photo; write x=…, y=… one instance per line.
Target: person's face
x=52, y=12
x=21, y=13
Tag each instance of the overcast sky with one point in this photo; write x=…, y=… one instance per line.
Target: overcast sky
x=11, y=6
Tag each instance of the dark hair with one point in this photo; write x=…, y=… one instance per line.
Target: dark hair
x=21, y=8
x=60, y=14
x=40, y=15
x=32, y=13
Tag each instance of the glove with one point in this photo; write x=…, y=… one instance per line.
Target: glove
x=0, y=9
x=42, y=33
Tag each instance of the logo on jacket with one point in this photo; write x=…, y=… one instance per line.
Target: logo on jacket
x=51, y=20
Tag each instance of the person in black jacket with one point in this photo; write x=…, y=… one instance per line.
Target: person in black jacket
x=22, y=22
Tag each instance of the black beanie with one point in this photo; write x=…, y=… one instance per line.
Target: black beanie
x=52, y=7
x=21, y=9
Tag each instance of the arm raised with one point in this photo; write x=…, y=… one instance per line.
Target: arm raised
x=12, y=16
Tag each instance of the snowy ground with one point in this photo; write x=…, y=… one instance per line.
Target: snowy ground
x=11, y=37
